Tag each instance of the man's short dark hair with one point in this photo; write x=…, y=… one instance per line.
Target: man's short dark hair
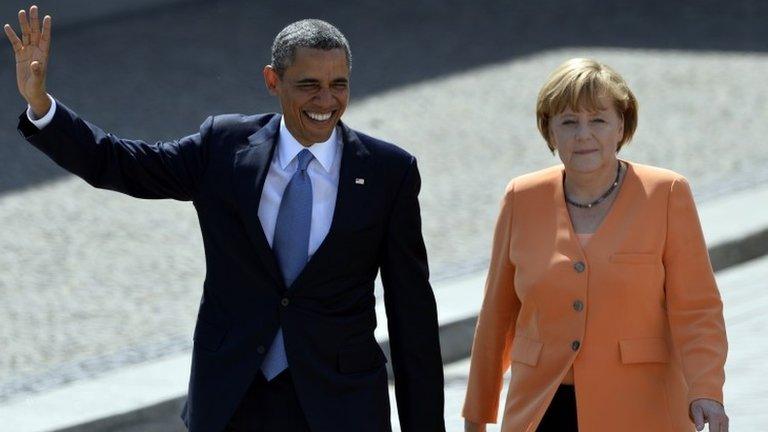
x=307, y=33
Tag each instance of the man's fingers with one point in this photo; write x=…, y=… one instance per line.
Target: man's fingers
x=25, y=30
x=15, y=41
x=34, y=24
x=45, y=37
x=698, y=417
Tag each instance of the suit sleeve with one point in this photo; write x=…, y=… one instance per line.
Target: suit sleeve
x=693, y=300
x=160, y=170
x=412, y=314
x=495, y=325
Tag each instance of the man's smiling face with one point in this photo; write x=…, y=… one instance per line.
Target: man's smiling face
x=313, y=92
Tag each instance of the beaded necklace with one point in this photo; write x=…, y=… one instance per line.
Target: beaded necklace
x=602, y=197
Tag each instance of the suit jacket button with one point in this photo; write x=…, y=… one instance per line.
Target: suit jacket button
x=285, y=301
x=575, y=345
x=579, y=266
x=578, y=305
x=261, y=349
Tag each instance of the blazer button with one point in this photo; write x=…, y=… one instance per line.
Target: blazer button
x=579, y=266
x=285, y=301
x=261, y=349
x=575, y=345
x=578, y=305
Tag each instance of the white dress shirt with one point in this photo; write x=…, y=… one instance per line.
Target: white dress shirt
x=43, y=121
x=323, y=171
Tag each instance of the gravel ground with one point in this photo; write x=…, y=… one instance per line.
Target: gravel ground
x=92, y=280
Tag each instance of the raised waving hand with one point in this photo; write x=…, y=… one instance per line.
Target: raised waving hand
x=32, y=53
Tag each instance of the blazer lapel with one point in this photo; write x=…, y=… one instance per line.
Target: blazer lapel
x=353, y=192
x=566, y=232
x=251, y=167
x=567, y=242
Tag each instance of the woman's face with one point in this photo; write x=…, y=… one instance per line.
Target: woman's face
x=587, y=140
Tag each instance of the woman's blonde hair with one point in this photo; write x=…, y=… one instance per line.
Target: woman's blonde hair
x=579, y=83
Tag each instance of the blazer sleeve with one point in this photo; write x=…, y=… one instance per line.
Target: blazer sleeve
x=160, y=170
x=412, y=314
x=495, y=325
x=693, y=301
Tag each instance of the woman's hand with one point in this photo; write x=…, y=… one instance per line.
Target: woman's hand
x=709, y=411
x=473, y=427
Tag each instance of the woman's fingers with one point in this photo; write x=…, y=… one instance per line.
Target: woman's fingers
x=13, y=38
x=718, y=421
x=698, y=416
x=724, y=425
x=713, y=425
x=711, y=412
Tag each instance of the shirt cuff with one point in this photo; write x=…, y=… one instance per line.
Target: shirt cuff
x=44, y=120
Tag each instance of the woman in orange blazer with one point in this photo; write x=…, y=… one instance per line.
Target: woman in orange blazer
x=600, y=295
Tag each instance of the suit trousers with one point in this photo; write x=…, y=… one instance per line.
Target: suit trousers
x=561, y=413
x=269, y=406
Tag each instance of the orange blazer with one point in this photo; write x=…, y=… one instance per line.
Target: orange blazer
x=636, y=313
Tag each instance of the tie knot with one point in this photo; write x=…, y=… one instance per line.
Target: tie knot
x=305, y=157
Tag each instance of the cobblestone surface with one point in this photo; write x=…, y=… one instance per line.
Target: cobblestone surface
x=91, y=280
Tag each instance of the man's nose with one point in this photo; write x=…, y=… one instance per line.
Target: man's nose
x=324, y=97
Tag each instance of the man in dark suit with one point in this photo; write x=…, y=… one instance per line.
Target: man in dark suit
x=298, y=213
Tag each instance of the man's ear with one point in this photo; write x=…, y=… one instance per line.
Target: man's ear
x=271, y=79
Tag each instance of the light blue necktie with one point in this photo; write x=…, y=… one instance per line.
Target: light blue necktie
x=291, y=247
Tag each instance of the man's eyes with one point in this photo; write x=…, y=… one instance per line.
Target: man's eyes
x=314, y=87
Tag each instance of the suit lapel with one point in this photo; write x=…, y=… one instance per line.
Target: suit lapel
x=353, y=192
x=251, y=167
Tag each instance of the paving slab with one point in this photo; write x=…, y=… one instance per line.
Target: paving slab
x=147, y=396
x=93, y=280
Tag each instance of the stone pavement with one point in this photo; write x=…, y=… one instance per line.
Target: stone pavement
x=743, y=288
x=147, y=396
x=92, y=280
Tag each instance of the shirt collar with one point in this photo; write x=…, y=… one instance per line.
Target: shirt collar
x=288, y=147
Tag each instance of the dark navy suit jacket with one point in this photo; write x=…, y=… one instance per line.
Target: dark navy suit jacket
x=328, y=314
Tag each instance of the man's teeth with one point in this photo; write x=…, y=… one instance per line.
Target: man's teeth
x=318, y=116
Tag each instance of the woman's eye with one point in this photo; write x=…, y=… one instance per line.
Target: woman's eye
x=569, y=122
x=598, y=120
